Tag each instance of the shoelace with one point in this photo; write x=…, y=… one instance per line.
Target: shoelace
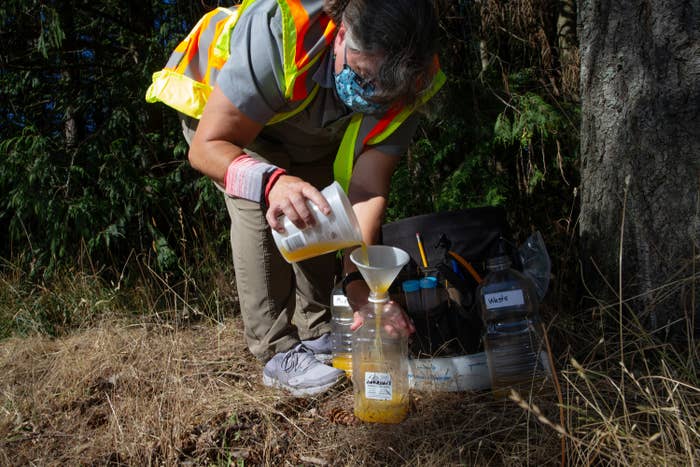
x=297, y=359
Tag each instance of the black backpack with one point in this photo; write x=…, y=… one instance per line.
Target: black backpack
x=456, y=246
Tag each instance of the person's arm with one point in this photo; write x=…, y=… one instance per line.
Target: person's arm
x=221, y=135
x=368, y=193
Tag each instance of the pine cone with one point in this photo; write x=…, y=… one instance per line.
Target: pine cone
x=341, y=416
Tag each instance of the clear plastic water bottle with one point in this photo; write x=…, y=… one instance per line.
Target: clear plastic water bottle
x=380, y=366
x=512, y=336
x=341, y=335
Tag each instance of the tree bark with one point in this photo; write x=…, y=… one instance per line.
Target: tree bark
x=640, y=149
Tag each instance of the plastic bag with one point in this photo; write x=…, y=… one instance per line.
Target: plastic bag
x=536, y=263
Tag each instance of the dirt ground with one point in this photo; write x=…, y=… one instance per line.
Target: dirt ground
x=147, y=394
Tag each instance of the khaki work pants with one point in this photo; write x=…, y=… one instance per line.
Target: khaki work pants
x=281, y=303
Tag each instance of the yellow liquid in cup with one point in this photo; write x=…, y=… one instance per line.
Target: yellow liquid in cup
x=316, y=249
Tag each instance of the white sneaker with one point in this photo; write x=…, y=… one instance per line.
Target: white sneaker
x=322, y=348
x=300, y=373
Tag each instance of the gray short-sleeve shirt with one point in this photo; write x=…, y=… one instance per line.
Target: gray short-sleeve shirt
x=253, y=77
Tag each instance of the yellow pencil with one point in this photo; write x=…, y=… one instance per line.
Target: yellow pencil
x=422, y=251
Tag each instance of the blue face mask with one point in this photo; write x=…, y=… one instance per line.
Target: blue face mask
x=355, y=91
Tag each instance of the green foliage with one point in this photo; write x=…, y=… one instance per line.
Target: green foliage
x=532, y=117
x=534, y=125
x=88, y=167
x=499, y=136
x=441, y=173
x=73, y=300
x=51, y=35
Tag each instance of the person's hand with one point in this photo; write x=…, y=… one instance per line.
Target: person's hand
x=395, y=320
x=288, y=197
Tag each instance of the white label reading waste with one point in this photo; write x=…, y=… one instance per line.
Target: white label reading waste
x=340, y=300
x=378, y=386
x=504, y=299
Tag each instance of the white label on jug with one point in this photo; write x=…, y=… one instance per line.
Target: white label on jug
x=294, y=242
x=504, y=299
x=340, y=300
x=378, y=386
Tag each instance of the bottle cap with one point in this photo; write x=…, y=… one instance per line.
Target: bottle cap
x=501, y=259
x=429, y=282
x=410, y=285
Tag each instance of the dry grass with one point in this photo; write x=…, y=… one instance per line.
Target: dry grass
x=143, y=395
x=154, y=394
x=161, y=388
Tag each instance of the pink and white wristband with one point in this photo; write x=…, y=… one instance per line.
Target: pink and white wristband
x=251, y=179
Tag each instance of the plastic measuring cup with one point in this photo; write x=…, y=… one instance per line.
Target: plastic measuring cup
x=340, y=229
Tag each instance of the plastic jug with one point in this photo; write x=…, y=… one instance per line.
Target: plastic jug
x=334, y=232
x=512, y=335
x=341, y=335
x=380, y=367
x=379, y=352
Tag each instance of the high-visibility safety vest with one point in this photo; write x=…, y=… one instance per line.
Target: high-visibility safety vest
x=190, y=74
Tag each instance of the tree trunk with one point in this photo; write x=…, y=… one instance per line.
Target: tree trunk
x=640, y=147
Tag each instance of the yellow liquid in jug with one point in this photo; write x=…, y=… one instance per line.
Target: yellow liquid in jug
x=394, y=410
x=311, y=251
x=343, y=362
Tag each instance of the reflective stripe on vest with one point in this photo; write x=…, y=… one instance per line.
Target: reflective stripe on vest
x=297, y=60
x=190, y=74
x=345, y=158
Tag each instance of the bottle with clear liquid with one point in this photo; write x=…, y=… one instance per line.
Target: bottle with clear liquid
x=341, y=335
x=380, y=366
x=512, y=335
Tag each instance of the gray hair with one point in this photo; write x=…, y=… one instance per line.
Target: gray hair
x=404, y=32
